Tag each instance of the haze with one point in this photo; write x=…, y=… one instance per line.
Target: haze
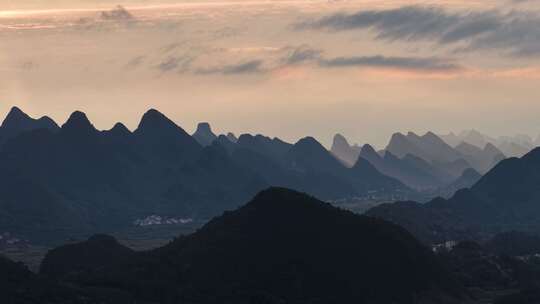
x=289, y=69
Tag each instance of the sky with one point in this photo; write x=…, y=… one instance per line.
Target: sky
x=290, y=69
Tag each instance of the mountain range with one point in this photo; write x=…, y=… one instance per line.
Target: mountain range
x=511, y=146
x=55, y=181
x=504, y=199
x=425, y=163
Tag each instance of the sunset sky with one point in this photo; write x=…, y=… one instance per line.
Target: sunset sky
x=289, y=69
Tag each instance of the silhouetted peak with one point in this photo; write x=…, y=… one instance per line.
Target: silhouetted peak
x=281, y=199
x=232, y=137
x=432, y=137
x=363, y=165
x=309, y=144
x=411, y=134
x=120, y=129
x=78, y=121
x=17, y=121
x=398, y=137
x=14, y=118
x=154, y=121
x=48, y=122
x=367, y=148
x=368, y=152
x=245, y=137
x=431, y=134
x=263, y=138
x=339, y=141
x=397, y=140
x=490, y=148
x=16, y=113
x=204, y=134
x=204, y=127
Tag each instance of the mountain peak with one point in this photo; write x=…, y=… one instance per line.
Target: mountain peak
x=309, y=142
x=120, y=129
x=232, y=137
x=489, y=147
x=369, y=153
x=151, y=118
x=340, y=140
x=78, y=121
x=204, y=134
x=432, y=137
x=204, y=127
x=367, y=148
x=153, y=121
x=411, y=134
x=15, y=118
x=17, y=122
x=397, y=136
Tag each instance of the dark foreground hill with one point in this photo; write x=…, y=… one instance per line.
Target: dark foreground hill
x=282, y=247
x=504, y=199
x=20, y=286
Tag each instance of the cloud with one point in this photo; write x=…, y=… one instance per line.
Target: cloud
x=429, y=64
x=135, y=62
x=301, y=54
x=517, y=33
x=175, y=63
x=119, y=13
x=248, y=67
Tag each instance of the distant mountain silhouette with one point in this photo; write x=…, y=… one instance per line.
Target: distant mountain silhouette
x=17, y=122
x=451, y=138
x=232, y=137
x=281, y=247
x=273, y=148
x=513, y=149
x=511, y=146
x=204, y=135
x=161, y=138
x=310, y=158
x=445, y=158
x=119, y=130
x=466, y=180
x=81, y=179
x=411, y=170
x=343, y=151
x=77, y=179
x=481, y=159
x=475, y=138
x=307, y=166
x=504, y=199
x=226, y=143
x=429, y=147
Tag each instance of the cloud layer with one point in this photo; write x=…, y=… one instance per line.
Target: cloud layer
x=517, y=33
